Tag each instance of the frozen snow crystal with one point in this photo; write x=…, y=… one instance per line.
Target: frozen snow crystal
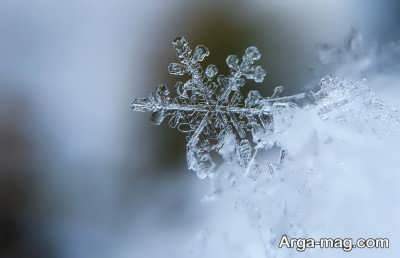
x=210, y=108
x=355, y=104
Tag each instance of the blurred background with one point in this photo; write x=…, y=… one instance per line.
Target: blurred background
x=80, y=174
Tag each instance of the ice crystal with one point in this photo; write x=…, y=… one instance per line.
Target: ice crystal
x=354, y=103
x=211, y=110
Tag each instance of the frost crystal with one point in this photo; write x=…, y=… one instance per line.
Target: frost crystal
x=354, y=103
x=210, y=109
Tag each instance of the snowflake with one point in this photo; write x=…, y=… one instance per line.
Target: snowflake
x=210, y=109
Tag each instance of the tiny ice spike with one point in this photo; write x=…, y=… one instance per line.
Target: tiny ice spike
x=209, y=107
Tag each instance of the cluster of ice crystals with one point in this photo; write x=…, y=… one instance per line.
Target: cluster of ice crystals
x=354, y=103
x=210, y=109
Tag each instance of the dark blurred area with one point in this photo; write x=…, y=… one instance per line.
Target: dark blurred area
x=82, y=175
x=18, y=184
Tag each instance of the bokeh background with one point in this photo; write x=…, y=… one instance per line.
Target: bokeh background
x=80, y=174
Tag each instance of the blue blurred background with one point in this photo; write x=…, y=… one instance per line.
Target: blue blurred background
x=81, y=174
